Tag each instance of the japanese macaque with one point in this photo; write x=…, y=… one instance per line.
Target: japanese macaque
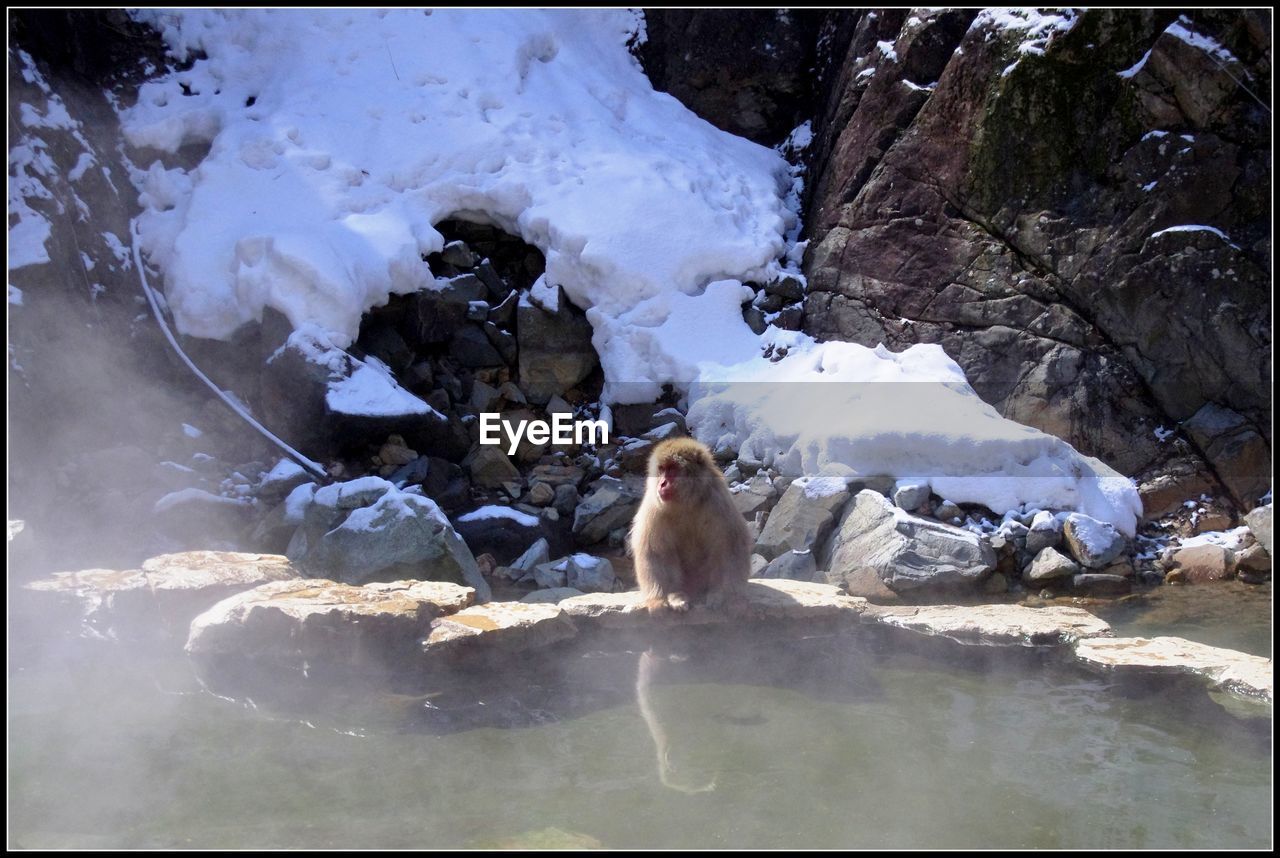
x=688, y=540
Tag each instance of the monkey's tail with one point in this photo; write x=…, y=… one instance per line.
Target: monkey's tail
x=307, y=465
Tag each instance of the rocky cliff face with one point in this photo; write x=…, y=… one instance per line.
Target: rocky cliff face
x=1075, y=206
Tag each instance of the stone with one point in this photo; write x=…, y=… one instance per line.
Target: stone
x=368, y=530
x=611, y=504
x=910, y=496
x=948, y=512
x=1259, y=522
x=541, y=494
x=165, y=595
x=1240, y=455
x=1045, y=532
x=909, y=553
x=755, y=495
x=470, y=346
x=804, y=517
x=566, y=499
x=503, y=627
x=1048, y=565
x=1236, y=672
x=500, y=530
x=1094, y=544
x=1009, y=625
x=581, y=571
x=308, y=627
x=1211, y=520
x=457, y=254
x=1200, y=563
x=555, y=351
x=865, y=581
x=483, y=396
x=490, y=468
x=1253, y=564
x=395, y=452
x=550, y=596
x=795, y=565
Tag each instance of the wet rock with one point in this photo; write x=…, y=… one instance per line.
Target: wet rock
x=1259, y=521
x=310, y=626
x=996, y=624
x=1049, y=565
x=804, y=517
x=1246, y=675
x=162, y=597
x=1093, y=543
x=499, y=627
x=1200, y=563
x=1253, y=564
x=909, y=553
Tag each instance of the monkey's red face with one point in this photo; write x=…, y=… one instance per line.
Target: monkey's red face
x=670, y=481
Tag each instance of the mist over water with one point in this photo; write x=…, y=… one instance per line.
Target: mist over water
x=705, y=739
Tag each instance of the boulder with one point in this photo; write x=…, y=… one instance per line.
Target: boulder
x=311, y=626
x=611, y=504
x=804, y=517
x=1049, y=565
x=1093, y=543
x=1198, y=563
x=908, y=553
x=162, y=597
x=1247, y=675
x=555, y=351
x=368, y=530
x=1259, y=521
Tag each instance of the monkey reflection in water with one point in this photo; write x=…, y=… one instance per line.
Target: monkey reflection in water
x=650, y=663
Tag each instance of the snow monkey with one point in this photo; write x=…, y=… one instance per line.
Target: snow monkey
x=687, y=538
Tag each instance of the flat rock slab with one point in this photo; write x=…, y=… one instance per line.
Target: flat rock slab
x=1237, y=672
x=166, y=593
x=766, y=599
x=995, y=624
x=505, y=626
x=312, y=621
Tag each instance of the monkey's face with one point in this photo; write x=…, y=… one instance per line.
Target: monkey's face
x=671, y=480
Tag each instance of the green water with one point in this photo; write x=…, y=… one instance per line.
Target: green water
x=829, y=742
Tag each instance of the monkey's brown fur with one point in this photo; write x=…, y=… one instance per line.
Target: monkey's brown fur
x=694, y=544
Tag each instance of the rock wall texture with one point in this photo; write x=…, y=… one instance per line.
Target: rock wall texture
x=1020, y=198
